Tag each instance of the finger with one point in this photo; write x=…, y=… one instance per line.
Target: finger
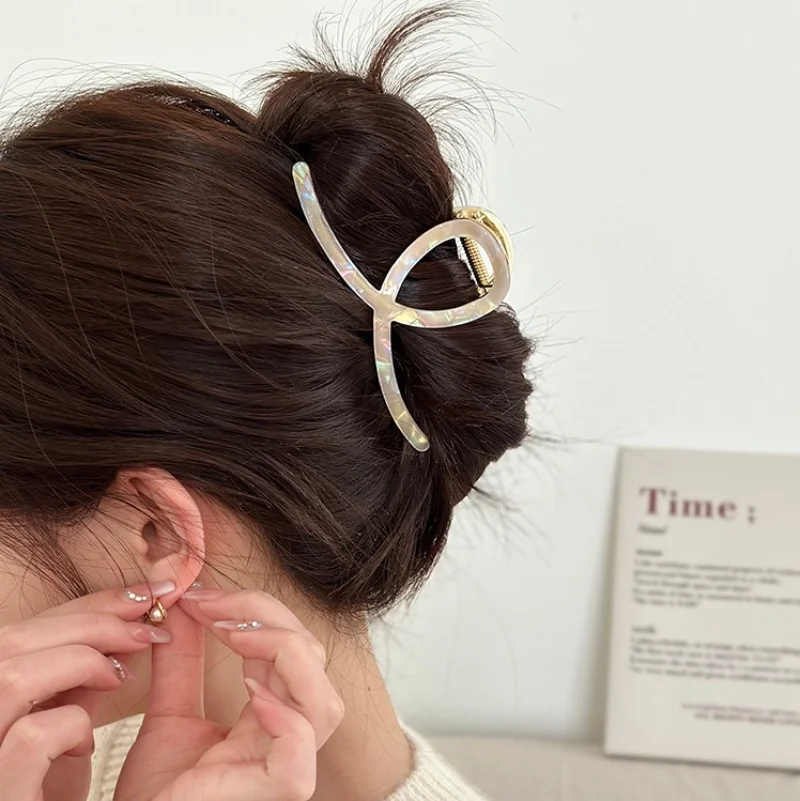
x=89, y=700
x=128, y=603
x=291, y=760
x=209, y=605
x=298, y=674
x=298, y=659
x=212, y=607
x=178, y=669
x=34, y=742
x=276, y=763
x=28, y=679
x=99, y=630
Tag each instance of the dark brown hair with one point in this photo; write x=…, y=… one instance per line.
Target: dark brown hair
x=163, y=303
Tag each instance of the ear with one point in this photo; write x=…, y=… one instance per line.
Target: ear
x=166, y=527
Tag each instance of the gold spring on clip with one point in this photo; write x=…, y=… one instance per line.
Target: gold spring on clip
x=481, y=273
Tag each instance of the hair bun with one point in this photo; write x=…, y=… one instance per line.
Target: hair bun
x=375, y=159
x=382, y=181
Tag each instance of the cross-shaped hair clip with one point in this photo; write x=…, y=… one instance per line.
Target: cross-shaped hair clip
x=476, y=228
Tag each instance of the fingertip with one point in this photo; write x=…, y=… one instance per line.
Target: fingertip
x=271, y=716
x=84, y=749
x=256, y=690
x=280, y=721
x=193, y=610
x=269, y=710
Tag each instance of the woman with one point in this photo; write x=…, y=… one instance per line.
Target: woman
x=209, y=477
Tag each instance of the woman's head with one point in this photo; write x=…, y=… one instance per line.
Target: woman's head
x=165, y=311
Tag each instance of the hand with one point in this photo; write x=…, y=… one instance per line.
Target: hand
x=52, y=669
x=271, y=752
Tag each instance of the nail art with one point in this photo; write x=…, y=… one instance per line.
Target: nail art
x=238, y=625
x=160, y=588
x=122, y=672
x=145, y=592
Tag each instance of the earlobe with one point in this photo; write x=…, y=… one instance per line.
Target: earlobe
x=171, y=536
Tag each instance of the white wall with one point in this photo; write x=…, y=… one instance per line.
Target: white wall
x=653, y=178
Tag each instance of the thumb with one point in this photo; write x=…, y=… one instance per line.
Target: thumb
x=174, y=734
x=178, y=670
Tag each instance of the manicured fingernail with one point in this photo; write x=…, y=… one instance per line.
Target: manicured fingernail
x=238, y=625
x=143, y=633
x=257, y=690
x=123, y=671
x=195, y=585
x=203, y=595
x=146, y=592
x=159, y=588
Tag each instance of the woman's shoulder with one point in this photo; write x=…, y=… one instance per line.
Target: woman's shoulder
x=431, y=780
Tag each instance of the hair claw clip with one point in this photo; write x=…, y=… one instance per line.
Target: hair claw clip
x=477, y=229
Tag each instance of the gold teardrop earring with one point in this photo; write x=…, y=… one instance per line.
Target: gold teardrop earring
x=157, y=614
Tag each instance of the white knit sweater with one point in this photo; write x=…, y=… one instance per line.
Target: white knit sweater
x=431, y=780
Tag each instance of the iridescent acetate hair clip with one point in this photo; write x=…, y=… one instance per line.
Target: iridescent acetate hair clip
x=477, y=229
